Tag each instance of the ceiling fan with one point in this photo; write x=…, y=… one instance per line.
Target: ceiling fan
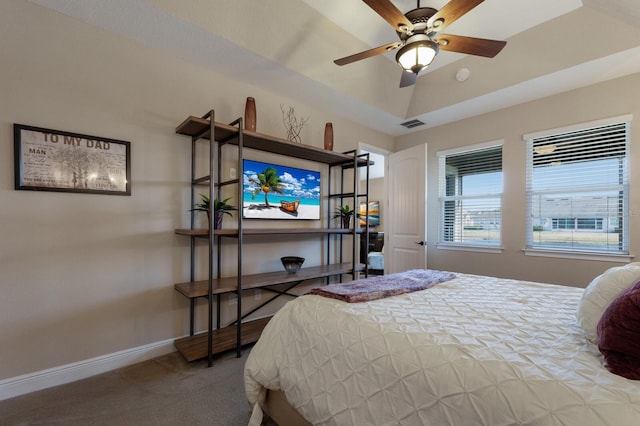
x=419, y=39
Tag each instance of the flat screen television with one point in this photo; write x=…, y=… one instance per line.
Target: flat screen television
x=374, y=213
x=273, y=191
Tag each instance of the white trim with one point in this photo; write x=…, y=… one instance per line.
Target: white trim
x=20, y=385
x=570, y=254
x=376, y=151
x=471, y=148
x=373, y=148
x=479, y=249
x=580, y=126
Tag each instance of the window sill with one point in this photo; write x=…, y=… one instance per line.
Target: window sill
x=580, y=255
x=479, y=249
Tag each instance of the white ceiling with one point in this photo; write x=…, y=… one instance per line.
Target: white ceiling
x=357, y=18
x=288, y=46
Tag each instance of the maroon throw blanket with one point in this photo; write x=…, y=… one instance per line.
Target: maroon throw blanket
x=381, y=286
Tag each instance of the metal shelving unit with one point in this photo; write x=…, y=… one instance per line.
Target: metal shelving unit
x=219, y=339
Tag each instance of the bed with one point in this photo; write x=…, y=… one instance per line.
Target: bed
x=472, y=350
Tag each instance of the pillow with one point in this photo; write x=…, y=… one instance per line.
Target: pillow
x=601, y=292
x=619, y=334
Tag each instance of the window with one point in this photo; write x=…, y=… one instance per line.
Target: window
x=577, y=189
x=378, y=156
x=576, y=223
x=471, y=196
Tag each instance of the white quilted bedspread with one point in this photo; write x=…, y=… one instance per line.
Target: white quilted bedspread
x=471, y=351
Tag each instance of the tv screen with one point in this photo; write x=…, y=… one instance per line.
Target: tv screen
x=272, y=191
x=374, y=213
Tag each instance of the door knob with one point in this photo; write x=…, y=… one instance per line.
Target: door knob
x=420, y=243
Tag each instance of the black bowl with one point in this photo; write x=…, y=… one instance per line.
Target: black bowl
x=292, y=263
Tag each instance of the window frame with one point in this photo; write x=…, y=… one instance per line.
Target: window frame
x=586, y=254
x=442, y=182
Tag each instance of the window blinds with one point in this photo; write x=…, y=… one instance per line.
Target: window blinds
x=471, y=197
x=577, y=190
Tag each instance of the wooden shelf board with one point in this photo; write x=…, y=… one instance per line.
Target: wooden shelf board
x=200, y=288
x=273, y=231
x=204, y=232
x=193, y=232
x=265, y=231
x=195, y=347
x=199, y=127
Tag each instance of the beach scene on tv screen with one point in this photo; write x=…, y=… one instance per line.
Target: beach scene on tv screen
x=273, y=191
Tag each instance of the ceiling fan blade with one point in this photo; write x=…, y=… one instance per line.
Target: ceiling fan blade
x=391, y=14
x=368, y=53
x=470, y=45
x=451, y=12
x=408, y=78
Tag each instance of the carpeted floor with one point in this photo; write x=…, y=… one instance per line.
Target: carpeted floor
x=162, y=391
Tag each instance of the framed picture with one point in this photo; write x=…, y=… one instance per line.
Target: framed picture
x=374, y=213
x=52, y=160
x=272, y=191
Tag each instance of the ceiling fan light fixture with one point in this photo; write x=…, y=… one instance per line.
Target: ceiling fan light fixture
x=417, y=53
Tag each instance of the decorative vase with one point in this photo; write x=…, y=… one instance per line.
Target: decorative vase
x=346, y=222
x=328, y=137
x=250, y=114
x=218, y=222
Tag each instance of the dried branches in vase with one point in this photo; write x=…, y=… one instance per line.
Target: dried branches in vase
x=292, y=124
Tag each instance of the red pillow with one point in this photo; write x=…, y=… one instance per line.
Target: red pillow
x=619, y=334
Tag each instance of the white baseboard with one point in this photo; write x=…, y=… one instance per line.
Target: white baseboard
x=31, y=382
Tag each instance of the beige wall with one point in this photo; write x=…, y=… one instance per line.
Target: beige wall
x=609, y=99
x=86, y=275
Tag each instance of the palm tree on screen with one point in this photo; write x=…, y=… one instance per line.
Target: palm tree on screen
x=267, y=181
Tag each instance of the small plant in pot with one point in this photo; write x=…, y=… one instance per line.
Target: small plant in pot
x=220, y=208
x=345, y=212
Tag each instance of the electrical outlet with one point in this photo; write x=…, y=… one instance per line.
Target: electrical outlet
x=232, y=173
x=257, y=294
x=232, y=299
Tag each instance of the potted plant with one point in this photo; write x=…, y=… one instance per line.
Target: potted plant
x=220, y=208
x=345, y=212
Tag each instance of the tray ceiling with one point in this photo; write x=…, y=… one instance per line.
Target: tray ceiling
x=288, y=46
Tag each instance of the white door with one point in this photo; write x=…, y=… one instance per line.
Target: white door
x=406, y=229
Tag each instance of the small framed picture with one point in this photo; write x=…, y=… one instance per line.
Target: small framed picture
x=53, y=160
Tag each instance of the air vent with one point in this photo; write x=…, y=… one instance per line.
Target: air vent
x=412, y=123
